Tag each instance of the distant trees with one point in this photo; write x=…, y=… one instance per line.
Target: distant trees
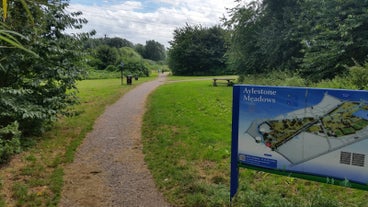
x=106, y=56
x=197, y=50
x=152, y=50
x=318, y=39
x=115, y=42
x=109, y=53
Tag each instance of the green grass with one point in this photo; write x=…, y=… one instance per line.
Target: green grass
x=36, y=177
x=187, y=145
x=187, y=135
x=185, y=154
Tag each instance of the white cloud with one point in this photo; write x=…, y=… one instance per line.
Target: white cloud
x=139, y=22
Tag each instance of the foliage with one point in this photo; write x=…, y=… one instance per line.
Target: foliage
x=275, y=77
x=154, y=51
x=102, y=74
x=107, y=56
x=357, y=78
x=129, y=55
x=8, y=37
x=9, y=141
x=261, y=39
x=134, y=64
x=358, y=75
x=135, y=69
x=333, y=36
x=140, y=49
x=197, y=50
x=115, y=42
x=318, y=39
x=35, y=89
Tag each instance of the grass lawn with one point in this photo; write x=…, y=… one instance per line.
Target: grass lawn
x=187, y=136
x=35, y=177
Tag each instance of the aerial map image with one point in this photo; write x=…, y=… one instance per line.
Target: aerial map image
x=322, y=132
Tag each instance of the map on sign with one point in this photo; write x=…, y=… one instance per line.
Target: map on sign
x=321, y=132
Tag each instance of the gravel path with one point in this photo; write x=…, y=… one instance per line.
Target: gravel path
x=109, y=167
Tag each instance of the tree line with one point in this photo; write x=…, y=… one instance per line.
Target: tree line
x=314, y=39
x=114, y=54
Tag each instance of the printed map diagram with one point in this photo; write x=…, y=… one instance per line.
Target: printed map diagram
x=310, y=132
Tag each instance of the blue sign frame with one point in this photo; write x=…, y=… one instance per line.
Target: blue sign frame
x=316, y=134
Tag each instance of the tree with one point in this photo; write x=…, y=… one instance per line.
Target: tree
x=334, y=37
x=154, y=51
x=262, y=36
x=197, y=50
x=140, y=49
x=316, y=38
x=116, y=42
x=36, y=89
x=106, y=56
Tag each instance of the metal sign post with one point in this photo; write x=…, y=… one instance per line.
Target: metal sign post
x=234, y=179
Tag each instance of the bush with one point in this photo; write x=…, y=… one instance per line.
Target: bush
x=337, y=82
x=111, y=68
x=9, y=141
x=359, y=76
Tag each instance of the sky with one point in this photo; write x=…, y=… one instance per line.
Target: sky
x=142, y=20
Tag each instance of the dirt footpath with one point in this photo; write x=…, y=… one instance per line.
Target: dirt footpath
x=109, y=167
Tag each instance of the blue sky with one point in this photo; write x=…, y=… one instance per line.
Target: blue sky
x=142, y=20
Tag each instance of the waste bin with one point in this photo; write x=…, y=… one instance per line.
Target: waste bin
x=136, y=77
x=129, y=80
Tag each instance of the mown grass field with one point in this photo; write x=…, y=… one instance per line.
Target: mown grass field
x=35, y=177
x=187, y=136
x=187, y=132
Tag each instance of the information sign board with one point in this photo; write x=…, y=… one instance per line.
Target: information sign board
x=319, y=133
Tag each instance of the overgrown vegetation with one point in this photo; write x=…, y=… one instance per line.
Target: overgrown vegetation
x=36, y=87
x=319, y=40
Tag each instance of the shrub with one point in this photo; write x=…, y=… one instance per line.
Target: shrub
x=9, y=141
x=359, y=75
x=111, y=68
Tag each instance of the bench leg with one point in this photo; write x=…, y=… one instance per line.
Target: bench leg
x=214, y=83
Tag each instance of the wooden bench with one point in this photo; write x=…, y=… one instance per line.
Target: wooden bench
x=229, y=81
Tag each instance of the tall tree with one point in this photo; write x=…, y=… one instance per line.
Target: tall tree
x=154, y=51
x=334, y=36
x=262, y=37
x=318, y=38
x=197, y=50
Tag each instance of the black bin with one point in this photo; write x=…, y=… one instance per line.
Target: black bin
x=136, y=77
x=129, y=80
